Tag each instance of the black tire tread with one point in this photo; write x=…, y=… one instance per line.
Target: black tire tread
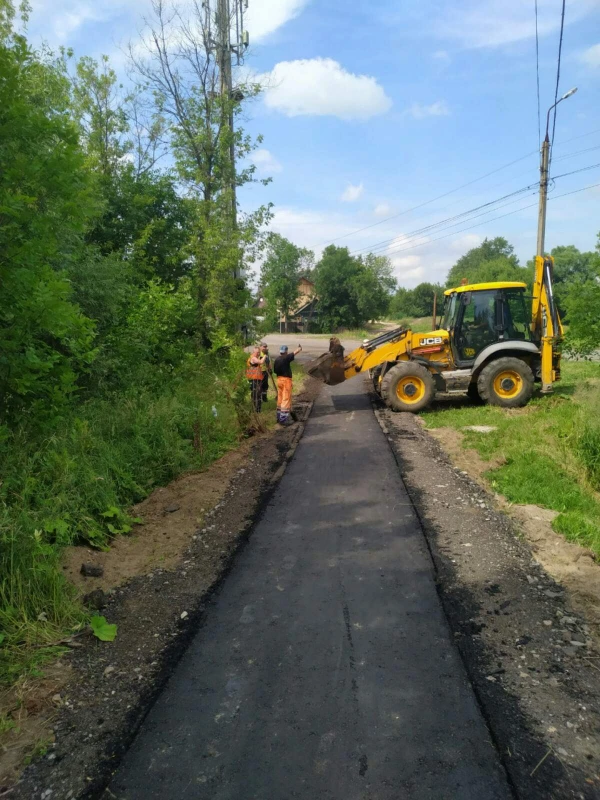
x=401, y=370
x=485, y=382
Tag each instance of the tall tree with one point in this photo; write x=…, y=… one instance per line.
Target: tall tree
x=178, y=64
x=580, y=295
x=336, y=275
x=374, y=286
x=46, y=200
x=473, y=266
x=284, y=265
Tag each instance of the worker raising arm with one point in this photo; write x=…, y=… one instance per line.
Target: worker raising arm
x=283, y=369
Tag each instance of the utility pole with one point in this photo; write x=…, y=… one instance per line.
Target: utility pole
x=224, y=51
x=544, y=177
x=226, y=80
x=544, y=167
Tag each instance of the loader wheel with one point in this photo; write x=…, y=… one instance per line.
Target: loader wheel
x=506, y=382
x=407, y=387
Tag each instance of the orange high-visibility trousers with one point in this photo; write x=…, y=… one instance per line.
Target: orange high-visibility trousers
x=284, y=399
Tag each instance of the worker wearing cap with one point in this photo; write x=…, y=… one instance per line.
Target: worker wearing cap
x=254, y=374
x=282, y=367
x=267, y=370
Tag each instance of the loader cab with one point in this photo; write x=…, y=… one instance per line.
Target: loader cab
x=483, y=314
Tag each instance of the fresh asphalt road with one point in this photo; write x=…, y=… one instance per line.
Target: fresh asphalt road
x=325, y=668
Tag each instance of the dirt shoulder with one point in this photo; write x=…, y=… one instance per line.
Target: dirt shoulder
x=530, y=656
x=155, y=587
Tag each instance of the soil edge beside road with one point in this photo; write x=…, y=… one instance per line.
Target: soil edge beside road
x=529, y=657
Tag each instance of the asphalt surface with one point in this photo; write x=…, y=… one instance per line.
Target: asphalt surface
x=325, y=668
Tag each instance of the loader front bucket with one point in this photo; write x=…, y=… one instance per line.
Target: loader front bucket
x=327, y=368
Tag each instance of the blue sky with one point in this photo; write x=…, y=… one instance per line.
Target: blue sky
x=373, y=107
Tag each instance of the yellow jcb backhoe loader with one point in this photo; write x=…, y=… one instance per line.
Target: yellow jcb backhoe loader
x=493, y=343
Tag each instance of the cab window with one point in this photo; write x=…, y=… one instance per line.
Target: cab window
x=517, y=315
x=449, y=317
x=478, y=323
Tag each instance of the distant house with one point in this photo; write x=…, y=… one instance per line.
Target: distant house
x=304, y=311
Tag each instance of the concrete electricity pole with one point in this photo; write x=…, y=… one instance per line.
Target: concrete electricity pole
x=228, y=22
x=225, y=74
x=544, y=177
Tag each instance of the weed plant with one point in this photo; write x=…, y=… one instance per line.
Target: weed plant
x=73, y=481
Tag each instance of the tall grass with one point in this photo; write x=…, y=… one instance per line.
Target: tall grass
x=551, y=450
x=75, y=482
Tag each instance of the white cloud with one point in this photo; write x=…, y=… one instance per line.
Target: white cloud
x=591, y=56
x=59, y=20
x=266, y=16
x=322, y=87
x=352, y=193
x=265, y=162
x=466, y=242
x=382, y=210
x=438, y=109
x=490, y=23
x=313, y=229
x=441, y=55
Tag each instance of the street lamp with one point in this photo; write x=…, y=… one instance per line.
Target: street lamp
x=544, y=167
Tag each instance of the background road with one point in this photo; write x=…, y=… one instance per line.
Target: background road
x=325, y=668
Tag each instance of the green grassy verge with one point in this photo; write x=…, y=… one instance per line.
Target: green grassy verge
x=73, y=481
x=416, y=324
x=550, y=449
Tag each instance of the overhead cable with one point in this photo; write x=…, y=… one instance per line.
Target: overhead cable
x=560, y=44
x=502, y=216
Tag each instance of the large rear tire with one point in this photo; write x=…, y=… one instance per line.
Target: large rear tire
x=506, y=382
x=407, y=387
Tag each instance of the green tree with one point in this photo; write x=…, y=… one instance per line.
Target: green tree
x=143, y=217
x=417, y=302
x=374, y=286
x=580, y=295
x=401, y=303
x=571, y=268
x=284, y=265
x=46, y=202
x=335, y=277
x=180, y=69
x=493, y=259
x=582, y=303
x=352, y=290
x=422, y=298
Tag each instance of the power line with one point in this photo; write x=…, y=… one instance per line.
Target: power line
x=453, y=225
x=578, y=153
x=502, y=216
x=575, y=171
x=560, y=43
x=452, y=221
x=581, y=136
x=537, y=70
x=428, y=202
x=453, y=191
x=377, y=245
